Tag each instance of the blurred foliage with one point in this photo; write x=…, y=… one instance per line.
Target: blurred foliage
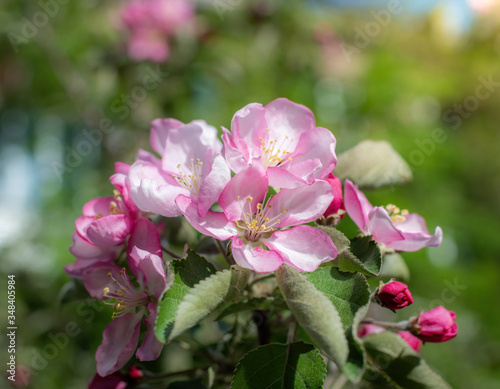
x=73, y=73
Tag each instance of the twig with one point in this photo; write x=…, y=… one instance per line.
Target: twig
x=171, y=253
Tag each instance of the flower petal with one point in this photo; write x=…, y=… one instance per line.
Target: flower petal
x=213, y=184
x=236, y=157
x=317, y=143
x=282, y=178
x=97, y=278
x=110, y=230
x=382, y=227
x=301, y=205
x=303, y=247
x=153, y=190
x=145, y=236
x=159, y=132
x=416, y=241
x=119, y=341
x=151, y=347
x=214, y=224
x=255, y=258
x=149, y=270
x=247, y=127
x=357, y=205
x=250, y=182
x=99, y=205
x=83, y=249
x=286, y=118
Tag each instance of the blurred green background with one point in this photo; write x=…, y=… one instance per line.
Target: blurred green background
x=411, y=77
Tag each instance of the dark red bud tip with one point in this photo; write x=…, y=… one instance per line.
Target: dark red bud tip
x=135, y=373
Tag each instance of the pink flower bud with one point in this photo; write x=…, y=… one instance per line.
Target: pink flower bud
x=412, y=341
x=335, y=211
x=368, y=329
x=395, y=295
x=135, y=373
x=436, y=325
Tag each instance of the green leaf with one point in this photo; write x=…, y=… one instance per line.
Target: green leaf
x=390, y=354
x=188, y=272
x=314, y=312
x=350, y=294
x=363, y=256
x=373, y=164
x=254, y=304
x=278, y=366
x=356, y=363
x=207, y=296
x=347, y=291
x=395, y=267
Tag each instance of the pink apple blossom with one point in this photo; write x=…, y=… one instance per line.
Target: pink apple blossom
x=109, y=282
x=191, y=165
x=105, y=225
x=257, y=223
x=151, y=23
x=390, y=227
x=414, y=342
x=284, y=136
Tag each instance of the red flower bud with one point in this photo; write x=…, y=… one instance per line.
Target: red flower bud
x=135, y=373
x=412, y=341
x=395, y=295
x=436, y=325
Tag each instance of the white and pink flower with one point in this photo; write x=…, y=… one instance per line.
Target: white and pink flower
x=284, y=136
x=391, y=227
x=257, y=224
x=191, y=165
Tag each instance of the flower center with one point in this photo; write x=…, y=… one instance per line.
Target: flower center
x=254, y=225
x=397, y=215
x=275, y=151
x=125, y=297
x=190, y=179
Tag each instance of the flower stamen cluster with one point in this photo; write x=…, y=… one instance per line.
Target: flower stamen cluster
x=190, y=181
x=126, y=297
x=396, y=214
x=274, y=154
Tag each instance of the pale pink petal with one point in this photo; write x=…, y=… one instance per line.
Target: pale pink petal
x=286, y=118
x=213, y=184
x=214, y=224
x=303, y=247
x=159, y=132
x=416, y=241
x=282, y=178
x=153, y=190
x=146, y=156
x=357, y=205
x=413, y=223
x=252, y=183
x=255, y=258
x=307, y=169
x=317, y=143
x=236, y=157
x=110, y=230
x=82, y=223
x=301, y=205
x=381, y=226
x=149, y=270
x=121, y=182
x=188, y=145
x=119, y=341
x=247, y=127
x=151, y=347
x=99, y=205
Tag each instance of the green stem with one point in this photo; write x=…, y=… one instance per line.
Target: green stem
x=171, y=253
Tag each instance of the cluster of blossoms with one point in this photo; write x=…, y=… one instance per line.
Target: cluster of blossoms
x=257, y=189
x=152, y=23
